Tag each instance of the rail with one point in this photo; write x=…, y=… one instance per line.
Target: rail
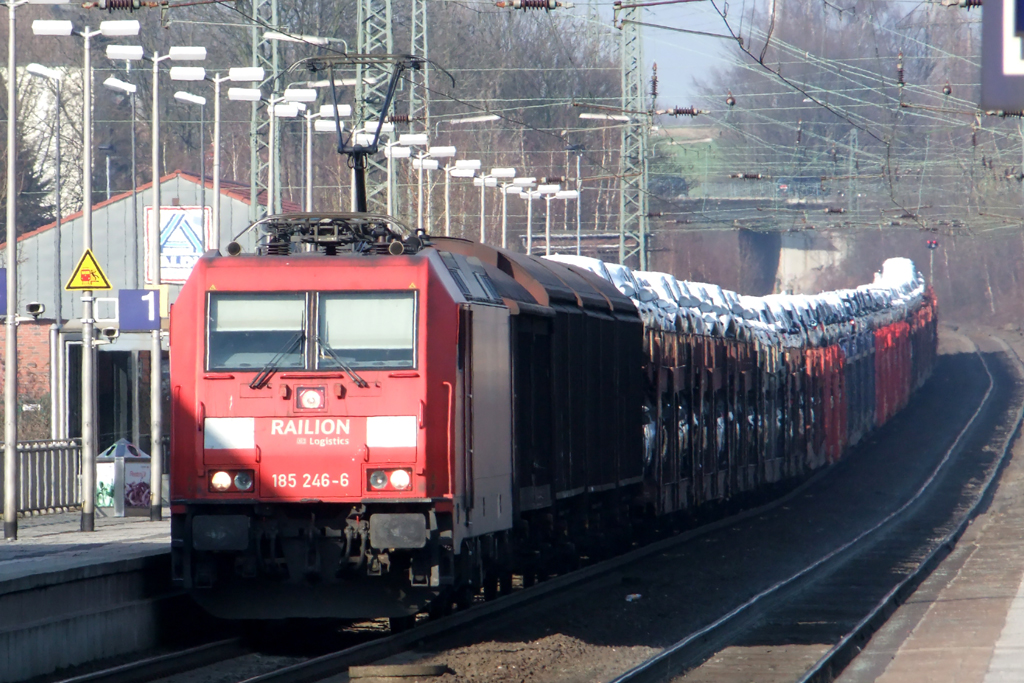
x=49, y=475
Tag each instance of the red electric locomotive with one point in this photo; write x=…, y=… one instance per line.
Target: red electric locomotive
x=343, y=419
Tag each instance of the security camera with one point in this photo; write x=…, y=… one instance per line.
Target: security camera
x=35, y=309
x=111, y=333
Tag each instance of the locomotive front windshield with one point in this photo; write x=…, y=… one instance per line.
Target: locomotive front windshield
x=366, y=329
x=248, y=331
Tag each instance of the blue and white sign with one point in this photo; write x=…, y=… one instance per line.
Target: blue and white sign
x=184, y=234
x=138, y=309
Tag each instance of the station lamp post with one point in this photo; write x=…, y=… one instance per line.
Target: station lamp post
x=393, y=150
x=428, y=161
x=515, y=187
x=189, y=98
x=327, y=120
x=110, y=29
x=541, y=192
x=246, y=74
x=462, y=168
x=178, y=73
x=129, y=89
x=560, y=194
x=483, y=182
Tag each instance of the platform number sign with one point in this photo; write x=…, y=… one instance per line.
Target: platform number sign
x=1002, y=56
x=138, y=309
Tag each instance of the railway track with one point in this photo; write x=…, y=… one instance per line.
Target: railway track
x=884, y=560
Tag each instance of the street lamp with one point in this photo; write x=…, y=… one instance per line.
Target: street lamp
x=559, y=194
x=530, y=195
x=11, y=345
x=56, y=400
x=515, y=187
x=183, y=96
x=247, y=74
x=48, y=27
x=483, y=182
x=129, y=89
x=463, y=168
x=428, y=161
x=177, y=53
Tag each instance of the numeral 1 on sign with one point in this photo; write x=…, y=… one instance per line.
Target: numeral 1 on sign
x=151, y=300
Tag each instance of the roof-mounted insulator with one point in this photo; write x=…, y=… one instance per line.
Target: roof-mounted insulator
x=748, y=176
x=899, y=69
x=835, y=210
x=730, y=100
x=534, y=4
x=947, y=89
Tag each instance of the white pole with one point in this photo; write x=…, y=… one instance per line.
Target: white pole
x=391, y=209
x=88, y=351
x=430, y=206
x=11, y=326
x=155, y=354
x=579, y=204
x=547, y=226
x=215, y=236
x=272, y=161
x=483, y=205
x=447, y=200
x=309, y=161
x=529, y=222
x=419, y=194
x=504, y=215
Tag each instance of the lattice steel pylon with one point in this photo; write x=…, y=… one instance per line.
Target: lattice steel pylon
x=266, y=54
x=633, y=211
x=419, y=80
x=375, y=37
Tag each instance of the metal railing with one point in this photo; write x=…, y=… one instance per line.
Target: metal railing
x=49, y=473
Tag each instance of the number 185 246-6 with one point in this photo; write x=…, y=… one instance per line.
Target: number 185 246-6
x=306, y=481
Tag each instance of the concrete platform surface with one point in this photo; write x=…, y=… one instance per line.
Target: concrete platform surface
x=53, y=545
x=965, y=623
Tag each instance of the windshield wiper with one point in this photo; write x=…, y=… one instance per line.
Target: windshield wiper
x=263, y=376
x=352, y=374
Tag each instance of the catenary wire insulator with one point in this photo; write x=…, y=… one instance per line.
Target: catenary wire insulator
x=398, y=118
x=654, y=81
x=899, y=69
x=532, y=4
x=115, y=5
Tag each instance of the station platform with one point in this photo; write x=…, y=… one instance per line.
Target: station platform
x=53, y=543
x=965, y=623
x=69, y=597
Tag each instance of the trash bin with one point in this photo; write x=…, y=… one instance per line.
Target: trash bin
x=122, y=477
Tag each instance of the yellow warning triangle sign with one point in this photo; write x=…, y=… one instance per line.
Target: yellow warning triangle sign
x=88, y=275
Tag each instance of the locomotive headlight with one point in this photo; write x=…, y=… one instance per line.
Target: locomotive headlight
x=378, y=479
x=220, y=481
x=400, y=479
x=310, y=398
x=243, y=481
